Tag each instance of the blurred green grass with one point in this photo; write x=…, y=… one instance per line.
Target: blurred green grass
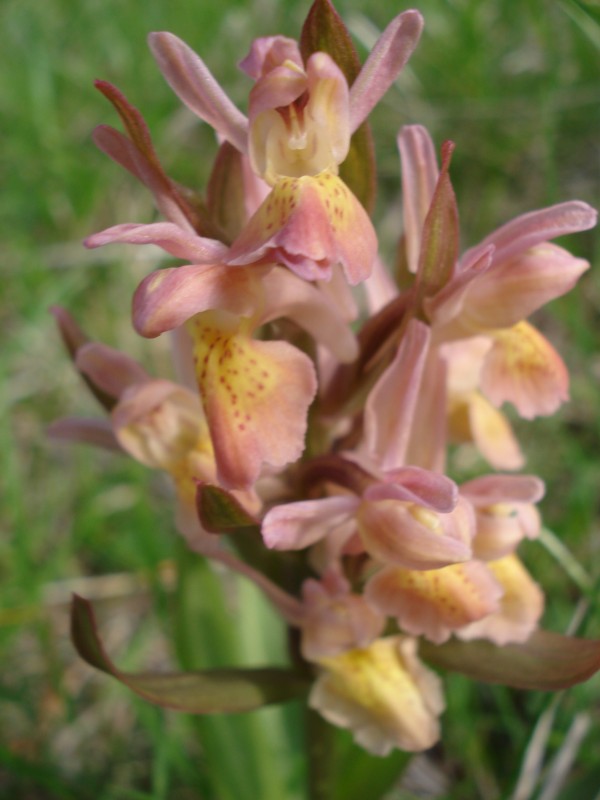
x=516, y=87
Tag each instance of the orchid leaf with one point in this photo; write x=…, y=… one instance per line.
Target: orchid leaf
x=546, y=661
x=200, y=692
x=220, y=512
x=325, y=32
x=439, y=242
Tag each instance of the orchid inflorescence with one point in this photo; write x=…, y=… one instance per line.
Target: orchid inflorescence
x=312, y=420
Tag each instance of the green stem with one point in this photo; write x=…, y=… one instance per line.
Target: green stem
x=320, y=739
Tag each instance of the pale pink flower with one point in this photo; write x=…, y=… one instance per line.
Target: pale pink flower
x=335, y=619
x=521, y=606
x=410, y=517
x=383, y=694
x=495, y=285
x=301, y=118
x=435, y=603
x=505, y=512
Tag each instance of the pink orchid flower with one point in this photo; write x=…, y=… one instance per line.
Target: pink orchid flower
x=383, y=693
x=410, y=517
x=301, y=118
x=255, y=393
x=495, y=285
x=335, y=619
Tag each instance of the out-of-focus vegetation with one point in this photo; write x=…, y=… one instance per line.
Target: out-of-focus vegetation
x=515, y=85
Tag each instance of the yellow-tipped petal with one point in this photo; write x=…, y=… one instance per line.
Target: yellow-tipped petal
x=434, y=603
x=384, y=694
x=524, y=369
x=520, y=609
x=255, y=396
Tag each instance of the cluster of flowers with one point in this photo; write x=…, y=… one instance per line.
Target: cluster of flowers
x=316, y=440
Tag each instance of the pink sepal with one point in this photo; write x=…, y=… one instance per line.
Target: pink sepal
x=165, y=299
x=107, y=368
x=435, y=603
x=391, y=404
x=170, y=237
x=97, y=432
x=336, y=619
x=193, y=83
x=286, y=295
x=390, y=53
x=491, y=489
x=419, y=177
x=415, y=485
x=309, y=224
x=267, y=52
x=513, y=290
x=536, y=227
x=413, y=537
x=524, y=369
x=295, y=526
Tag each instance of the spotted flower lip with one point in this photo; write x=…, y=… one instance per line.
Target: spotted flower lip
x=383, y=694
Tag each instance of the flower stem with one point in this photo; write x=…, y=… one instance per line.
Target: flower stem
x=320, y=739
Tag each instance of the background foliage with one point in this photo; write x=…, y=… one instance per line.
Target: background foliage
x=516, y=87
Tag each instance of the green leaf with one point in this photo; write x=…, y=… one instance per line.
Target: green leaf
x=324, y=31
x=546, y=661
x=439, y=243
x=220, y=512
x=203, y=692
x=225, y=195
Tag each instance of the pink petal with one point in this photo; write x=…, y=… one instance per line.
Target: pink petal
x=159, y=423
x=278, y=88
x=415, y=485
x=267, y=52
x=536, y=227
x=308, y=306
x=391, y=404
x=255, y=395
x=390, y=53
x=107, y=368
x=521, y=606
x=419, y=177
x=309, y=224
x=493, y=435
x=490, y=489
x=514, y=289
x=168, y=297
x=97, y=432
x=435, y=603
x=413, y=537
x=173, y=239
x=295, y=526
x=524, y=369
x=193, y=83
